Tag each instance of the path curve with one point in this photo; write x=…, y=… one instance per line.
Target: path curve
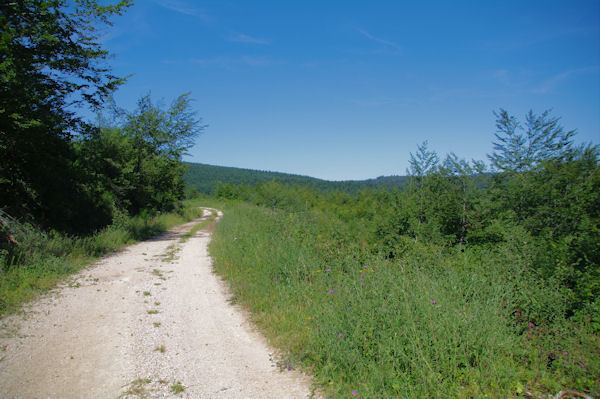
x=151, y=321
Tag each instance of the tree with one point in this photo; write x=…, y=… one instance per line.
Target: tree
x=422, y=165
x=159, y=138
x=50, y=63
x=519, y=149
x=136, y=165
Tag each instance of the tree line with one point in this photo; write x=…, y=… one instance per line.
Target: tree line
x=57, y=170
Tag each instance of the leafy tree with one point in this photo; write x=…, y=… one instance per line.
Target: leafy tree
x=521, y=148
x=465, y=179
x=136, y=165
x=159, y=138
x=50, y=62
x=422, y=165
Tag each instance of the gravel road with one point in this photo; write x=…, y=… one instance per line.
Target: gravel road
x=151, y=321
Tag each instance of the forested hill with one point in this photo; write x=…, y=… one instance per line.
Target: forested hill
x=204, y=178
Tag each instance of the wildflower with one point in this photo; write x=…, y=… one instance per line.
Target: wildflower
x=289, y=368
x=531, y=325
x=331, y=292
x=565, y=353
x=340, y=335
x=349, y=307
x=362, y=274
x=365, y=267
x=361, y=279
x=363, y=284
x=354, y=393
x=433, y=302
x=357, y=323
x=328, y=270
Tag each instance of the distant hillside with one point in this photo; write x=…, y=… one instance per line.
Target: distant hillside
x=204, y=178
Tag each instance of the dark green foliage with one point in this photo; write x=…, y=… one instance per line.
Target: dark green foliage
x=50, y=61
x=136, y=165
x=208, y=179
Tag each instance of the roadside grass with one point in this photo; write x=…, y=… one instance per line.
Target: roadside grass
x=43, y=260
x=434, y=323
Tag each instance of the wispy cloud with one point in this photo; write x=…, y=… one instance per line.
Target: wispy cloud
x=181, y=7
x=522, y=40
x=379, y=40
x=550, y=84
x=231, y=62
x=242, y=38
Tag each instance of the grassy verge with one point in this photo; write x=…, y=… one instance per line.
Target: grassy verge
x=44, y=259
x=435, y=323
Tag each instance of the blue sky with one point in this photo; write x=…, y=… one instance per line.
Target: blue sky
x=347, y=89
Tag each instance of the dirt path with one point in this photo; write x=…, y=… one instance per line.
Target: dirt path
x=151, y=321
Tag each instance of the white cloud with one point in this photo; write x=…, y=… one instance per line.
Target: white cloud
x=242, y=38
x=550, y=84
x=385, y=42
x=181, y=7
x=231, y=62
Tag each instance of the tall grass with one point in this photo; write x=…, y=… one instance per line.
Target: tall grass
x=436, y=323
x=42, y=259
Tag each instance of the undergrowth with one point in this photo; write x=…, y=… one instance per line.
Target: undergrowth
x=42, y=259
x=435, y=322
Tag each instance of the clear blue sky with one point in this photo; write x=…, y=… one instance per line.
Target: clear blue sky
x=347, y=89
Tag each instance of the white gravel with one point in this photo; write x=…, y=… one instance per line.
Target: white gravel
x=94, y=337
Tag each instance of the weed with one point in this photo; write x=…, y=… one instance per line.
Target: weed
x=136, y=388
x=156, y=324
x=429, y=323
x=158, y=274
x=146, y=293
x=160, y=349
x=156, y=303
x=153, y=311
x=177, y=387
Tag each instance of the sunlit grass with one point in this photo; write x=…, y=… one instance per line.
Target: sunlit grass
x=435, y=323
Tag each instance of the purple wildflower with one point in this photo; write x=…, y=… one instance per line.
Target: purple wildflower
x=340, y=335
x=357, y=323
x=331, y=292
x=531, y=325
x=565, y=353
x=354, y=393
x=365, y=267
x=328, y=270
x=349, y=307
x=289, y=368
x=433, y=302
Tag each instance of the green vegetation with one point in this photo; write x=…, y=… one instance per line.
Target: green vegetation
x=468, y=283
x=177, y=387
x=199, y=226
x=71, y=190
x=42, y=259
x=221, y=180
